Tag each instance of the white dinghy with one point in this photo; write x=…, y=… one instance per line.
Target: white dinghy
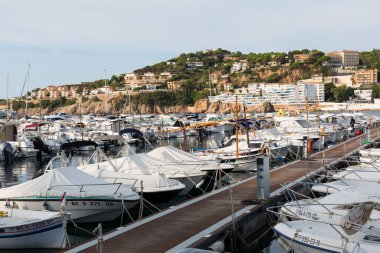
x=89, y=199
x=26, y=229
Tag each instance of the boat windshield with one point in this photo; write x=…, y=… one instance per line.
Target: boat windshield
x=255, y=145
x=302, y=122
x=360, y=117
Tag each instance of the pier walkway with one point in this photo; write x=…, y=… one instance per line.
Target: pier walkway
x=191, y=222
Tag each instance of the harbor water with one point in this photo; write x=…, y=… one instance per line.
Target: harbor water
x=22, y=170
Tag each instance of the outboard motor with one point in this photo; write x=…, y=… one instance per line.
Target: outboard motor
x=40, y=145
x=6, y=150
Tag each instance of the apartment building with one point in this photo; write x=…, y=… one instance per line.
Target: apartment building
x=301, y=57
x=277, y=93
x=133, y=80
x=174, y=85
x=365, y=76
x=344, y=58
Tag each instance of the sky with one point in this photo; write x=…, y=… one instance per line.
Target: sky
x=74, y=41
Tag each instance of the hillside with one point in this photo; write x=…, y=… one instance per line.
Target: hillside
x=193, y=72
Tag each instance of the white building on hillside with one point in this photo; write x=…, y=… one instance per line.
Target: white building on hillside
x=277, y=93
x=364, y=94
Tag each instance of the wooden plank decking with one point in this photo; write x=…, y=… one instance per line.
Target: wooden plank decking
x=165, y=232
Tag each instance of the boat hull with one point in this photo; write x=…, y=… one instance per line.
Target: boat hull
x=82, y=210
x=190, y=182
x=160, y=197
x=48, y=233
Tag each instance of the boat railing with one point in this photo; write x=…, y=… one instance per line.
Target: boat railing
x=132, y=185
x=82, y=186
x=367, y=230
x=293, y=195
x=63, y=162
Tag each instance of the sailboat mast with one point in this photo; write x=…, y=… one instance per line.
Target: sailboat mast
x=246, y=124
x=236, y=128
x=105, y=87
x=8, y=93
x=317, y=107
x=307, y=116
x=129, y=100
x=209, y=80
x=26, y=92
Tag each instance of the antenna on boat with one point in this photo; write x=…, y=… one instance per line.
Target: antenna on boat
x=105, y=87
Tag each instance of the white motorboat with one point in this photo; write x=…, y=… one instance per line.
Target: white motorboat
x=174, y=156
x=337, y=223
x=89, y=199
x=276, y=149
x=370, y=153
x=297, y=128
x=26, y=229
x=312, y=237
x=143, y=164
x=333, y=206
x=154, y=187
x=219, y=125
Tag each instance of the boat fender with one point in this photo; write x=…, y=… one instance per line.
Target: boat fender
x=217, y=246
x=310, y=146
x=198, y=185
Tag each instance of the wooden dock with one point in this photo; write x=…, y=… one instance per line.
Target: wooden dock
x=195, y=220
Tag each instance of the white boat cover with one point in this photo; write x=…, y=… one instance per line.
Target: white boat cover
x=174, y=155
x=178, y=157
x=145, y=164
x=70, y=180
x=105, y=171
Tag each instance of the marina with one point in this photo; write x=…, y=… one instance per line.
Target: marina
x=189, y=127
x=210, y=188
x=194, y=225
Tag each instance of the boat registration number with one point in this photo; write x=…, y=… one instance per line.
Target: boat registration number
x=90, y=203
x=307, y=214
x=307, y=239
x=32, y=226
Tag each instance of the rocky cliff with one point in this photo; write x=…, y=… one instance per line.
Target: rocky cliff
x=97, y=108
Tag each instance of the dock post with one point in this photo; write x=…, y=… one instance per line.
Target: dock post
x=263, y=189
x=99, y=230
x=368, y=132
x=304, y=148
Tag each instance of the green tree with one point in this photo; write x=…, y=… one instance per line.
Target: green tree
x=315, y=55
x=329, y=92
x=273, y=78
x=294, y=65
x=376, y=91
x=343, y=93
x=280, y=58
x=291, y=56
x=79, y=90
x=323, y=59
x=370, y=59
